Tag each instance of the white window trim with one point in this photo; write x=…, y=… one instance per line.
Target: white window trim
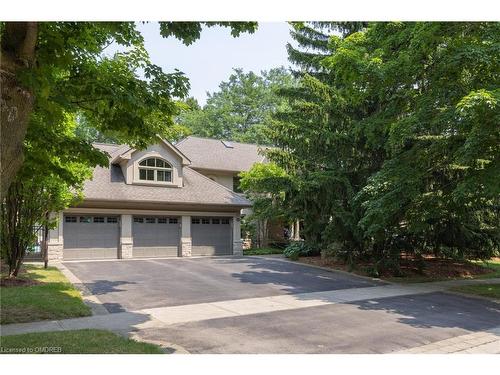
x=137, y=181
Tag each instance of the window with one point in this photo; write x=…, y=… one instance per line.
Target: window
x=85, y=219
x=112, y=220
x=70, y=219
x=215, y=221
x=138, y=220
x=195, y=221
x=162, y=220
x=155, y=169
x=150, y=220
x=172, y=220
x=224, y=221
x=98, y=219
x=205, y=220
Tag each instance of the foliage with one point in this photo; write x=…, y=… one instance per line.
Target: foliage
x=298, y=249
x=263, y=251
x=242, y=108
x=390, y=140
x=266, y=184
x=57, y=162
x=83, y=341
x=54, y=298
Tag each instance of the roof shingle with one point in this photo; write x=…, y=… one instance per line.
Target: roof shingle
x=213, y=154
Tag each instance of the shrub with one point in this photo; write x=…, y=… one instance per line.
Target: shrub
x=298, y=249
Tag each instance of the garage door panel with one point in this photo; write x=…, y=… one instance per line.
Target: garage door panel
x=92, y=253
x=156, y=236
x=90, y=237
x=151, y=252
x=211, y=236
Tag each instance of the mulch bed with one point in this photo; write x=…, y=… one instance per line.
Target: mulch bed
x=7, y=282
x=16, y=281
x=434, y=268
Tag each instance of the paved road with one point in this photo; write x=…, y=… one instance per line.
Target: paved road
x=139, y=284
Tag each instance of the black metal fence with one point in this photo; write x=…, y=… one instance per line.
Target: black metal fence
x=36, y=251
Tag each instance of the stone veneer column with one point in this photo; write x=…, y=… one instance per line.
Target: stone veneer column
x=55, y=243
x=126, y=239
x=237, y=241
x=186, y=236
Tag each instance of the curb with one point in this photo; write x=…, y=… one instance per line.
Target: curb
x=88, y=298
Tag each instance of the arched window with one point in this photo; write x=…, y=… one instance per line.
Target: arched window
x=155, y=169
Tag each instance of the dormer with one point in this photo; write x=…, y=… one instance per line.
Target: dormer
x=160, y=164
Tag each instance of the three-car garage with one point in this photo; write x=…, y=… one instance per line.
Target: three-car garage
x=98, y=236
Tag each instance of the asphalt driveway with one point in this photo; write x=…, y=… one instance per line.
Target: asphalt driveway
x=123, y=285
x=266, y=305
x=372, y=326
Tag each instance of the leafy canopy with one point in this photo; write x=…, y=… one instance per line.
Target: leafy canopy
x=242, y=108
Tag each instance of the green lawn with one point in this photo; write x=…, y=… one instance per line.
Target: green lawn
x=491, y=264
x=86, y=341
x=54, y=298
x=484, y=290
x=263, y=251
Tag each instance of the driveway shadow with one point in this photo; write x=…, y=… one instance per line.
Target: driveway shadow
x=438, y=310
x=428, y=310
x=100, y=287
x=295, y=278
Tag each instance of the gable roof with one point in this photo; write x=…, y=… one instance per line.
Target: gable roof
x=108, y=184
x=125, y=153
x=214, y=154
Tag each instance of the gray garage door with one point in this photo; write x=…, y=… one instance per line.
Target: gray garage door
x=211, y=236
x=156, y=236
x=90, y=237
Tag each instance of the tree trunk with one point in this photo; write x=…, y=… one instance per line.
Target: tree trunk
x=16, y=102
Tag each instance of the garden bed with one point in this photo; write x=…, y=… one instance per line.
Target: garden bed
x=263, y=251
x=434, y=269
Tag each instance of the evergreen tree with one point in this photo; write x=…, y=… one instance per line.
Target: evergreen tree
x=391, y=141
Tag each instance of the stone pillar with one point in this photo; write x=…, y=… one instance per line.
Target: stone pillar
x=186, y=236
x=237, y=242
x=126, y=239
x=55, y=243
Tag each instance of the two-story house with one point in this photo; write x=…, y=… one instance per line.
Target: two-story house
x=166, y=200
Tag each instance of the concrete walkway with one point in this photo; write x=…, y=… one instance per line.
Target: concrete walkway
x=128, y=322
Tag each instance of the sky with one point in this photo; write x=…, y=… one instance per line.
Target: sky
x=210, y=60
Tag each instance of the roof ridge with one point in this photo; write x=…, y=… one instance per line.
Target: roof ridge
x=108, y=144
x=220, y=140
